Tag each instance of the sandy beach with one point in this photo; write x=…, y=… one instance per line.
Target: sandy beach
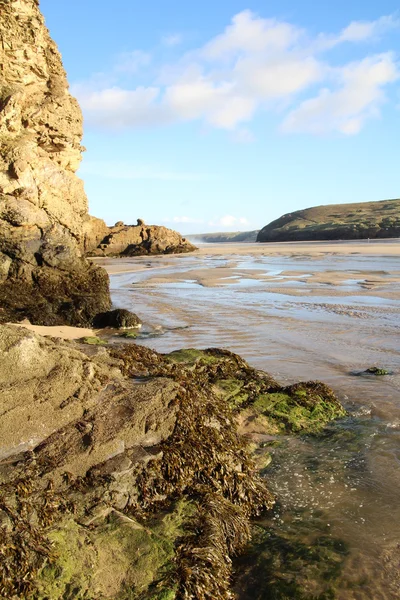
x=60, y=331
x=312, y=249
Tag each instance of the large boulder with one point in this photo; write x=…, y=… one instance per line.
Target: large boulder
x=43, y=206
x=105, y=469
x=120, y=318
x=122, y=471
x=136, y=240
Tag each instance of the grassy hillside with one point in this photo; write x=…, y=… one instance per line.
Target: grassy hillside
x=336, y=222
x=223, y=236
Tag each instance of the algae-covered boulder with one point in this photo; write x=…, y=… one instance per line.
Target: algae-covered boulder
x=123, y=474
x=120, y=318
x=301, y=408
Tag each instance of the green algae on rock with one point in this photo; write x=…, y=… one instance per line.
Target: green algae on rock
x=115, y=471
x=375, y=371
x=92, y=341
x=303, y=407
x=124, y=557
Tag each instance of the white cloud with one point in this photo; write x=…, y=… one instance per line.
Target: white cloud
x=268, y=78
x=250, y=34
x=218, y=104
x=347, y=108
x=171, y=40
x=254, y=65
x=358, y=31
x=228, y=221
x=118, y=108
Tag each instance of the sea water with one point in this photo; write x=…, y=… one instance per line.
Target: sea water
x=335, y=530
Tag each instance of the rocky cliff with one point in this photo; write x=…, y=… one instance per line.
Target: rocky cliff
x=336, y=222
x=43, y=206
x=133, y=240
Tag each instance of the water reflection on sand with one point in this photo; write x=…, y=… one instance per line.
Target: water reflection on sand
x=302, y=316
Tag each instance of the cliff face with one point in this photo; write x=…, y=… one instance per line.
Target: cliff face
x=360, y=220
x=43, y=206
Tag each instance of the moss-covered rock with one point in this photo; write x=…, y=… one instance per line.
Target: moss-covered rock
x=304, y=407
x=93, y=341
x=149, y=492
x=119, y=559
x=374, y=371
x=301, y=408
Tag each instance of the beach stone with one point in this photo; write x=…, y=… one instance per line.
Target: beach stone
x=373, y=371
x=119, y=318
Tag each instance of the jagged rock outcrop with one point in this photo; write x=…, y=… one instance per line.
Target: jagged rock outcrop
x=43, y=206
x=136, y=240
x=360, y=220
x=94, y=231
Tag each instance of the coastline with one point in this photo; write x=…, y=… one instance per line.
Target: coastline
x=313, y=249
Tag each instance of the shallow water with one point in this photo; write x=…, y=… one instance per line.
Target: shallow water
x=335, y=531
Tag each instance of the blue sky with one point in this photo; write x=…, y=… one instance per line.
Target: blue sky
x=224, y=115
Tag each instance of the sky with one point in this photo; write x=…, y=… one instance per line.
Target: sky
x=224, y=115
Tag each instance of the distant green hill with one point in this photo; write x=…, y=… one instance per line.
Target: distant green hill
x=223, y=236
x=336, y=222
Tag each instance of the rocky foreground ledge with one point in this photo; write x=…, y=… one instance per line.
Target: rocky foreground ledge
x=123, y=473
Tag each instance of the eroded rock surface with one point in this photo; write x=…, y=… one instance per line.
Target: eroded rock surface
x=136, y=240
x=43, y=206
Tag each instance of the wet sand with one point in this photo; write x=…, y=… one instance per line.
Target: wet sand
x=312, y=249
x=323, y=312
x=60, y=331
